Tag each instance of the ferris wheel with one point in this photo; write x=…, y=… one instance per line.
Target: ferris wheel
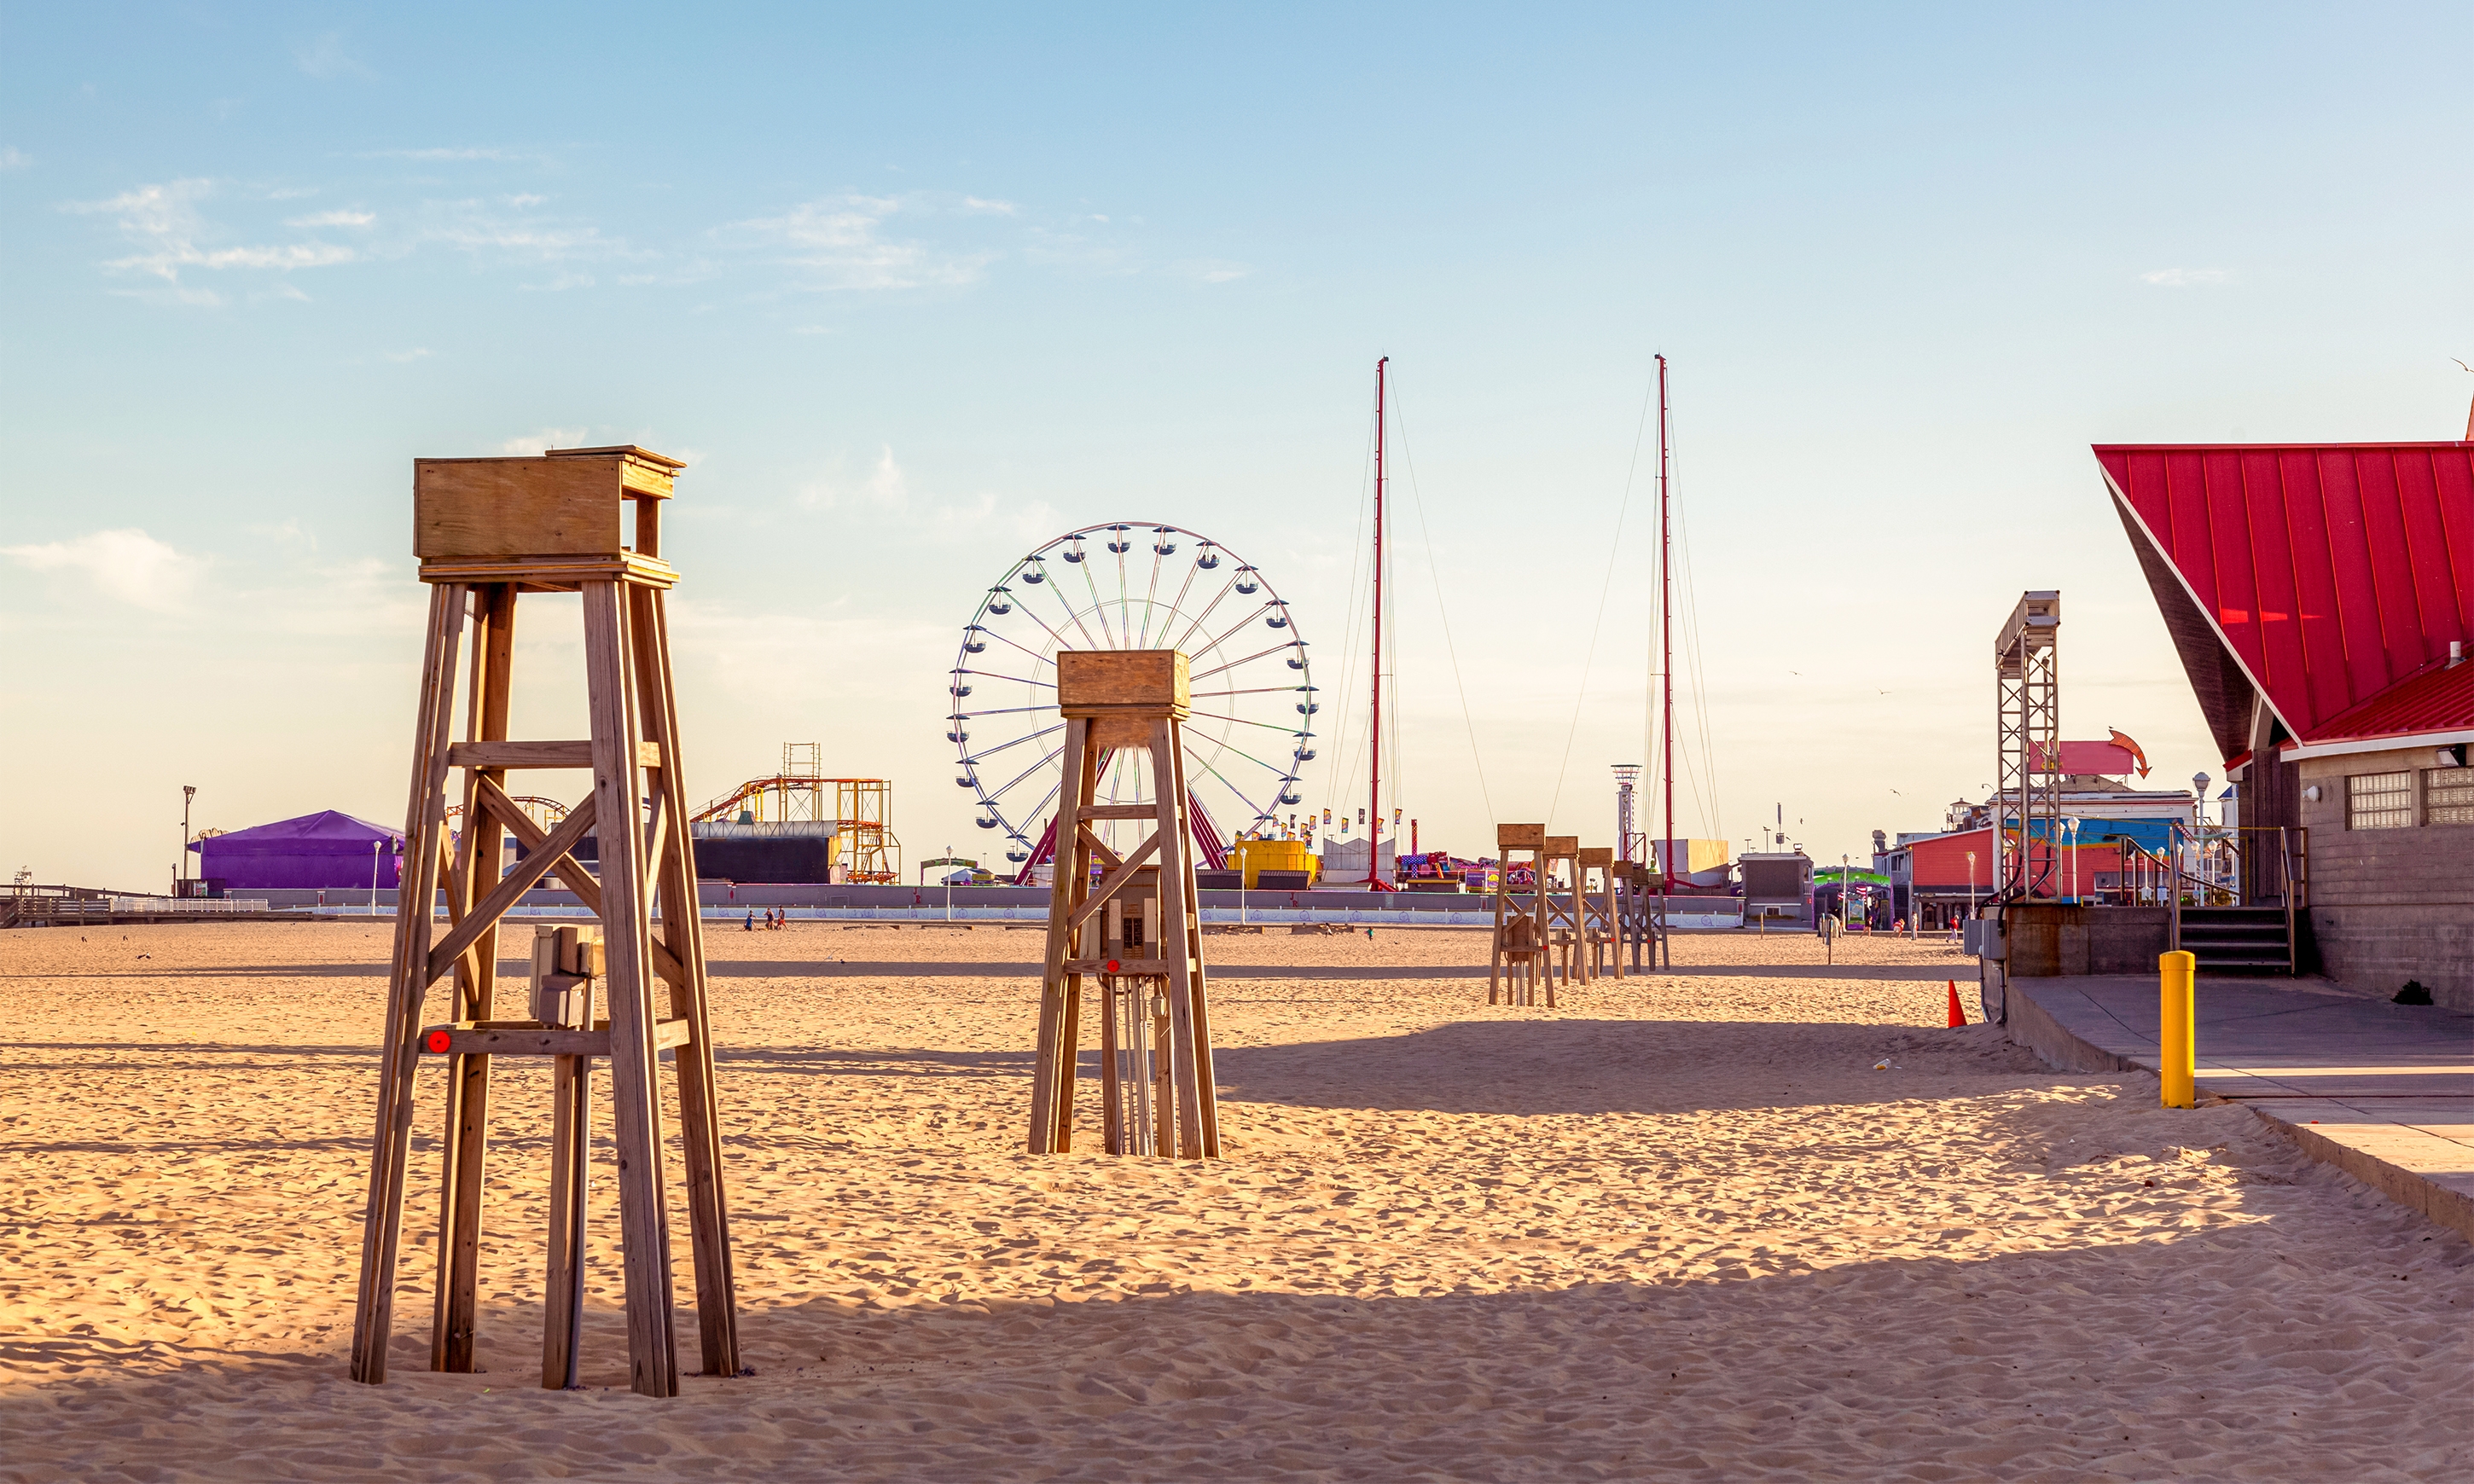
x=1132, y=586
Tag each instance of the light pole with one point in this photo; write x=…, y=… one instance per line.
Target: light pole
x=181, y=872
x=376, y=846
x=1971, y=885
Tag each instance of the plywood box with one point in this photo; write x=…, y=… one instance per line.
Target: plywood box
x=1519, y=837
x=1563, y=845
x=567, y=502
x=1106, y=682
x=1597, y=856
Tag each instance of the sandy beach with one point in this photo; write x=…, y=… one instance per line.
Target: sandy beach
x=1680, y=1228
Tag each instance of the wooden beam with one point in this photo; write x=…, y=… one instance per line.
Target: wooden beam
x=495, y=755
x=1117, y=811
x=530, y=1039
x=1108, y=860
x=575, y=877
x=1156, y=967
x=1115, y=880
x=511, y=890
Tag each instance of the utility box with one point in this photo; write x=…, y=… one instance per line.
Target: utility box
x=566, y=961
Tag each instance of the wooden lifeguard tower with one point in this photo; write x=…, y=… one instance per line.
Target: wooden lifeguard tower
x=1145, y=945
x=1599, y=931
x=1561, y=918
x=1520, y=941
x=486, y=530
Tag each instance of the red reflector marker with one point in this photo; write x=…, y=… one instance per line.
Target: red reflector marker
x=1110, y=966
x=438, y=1041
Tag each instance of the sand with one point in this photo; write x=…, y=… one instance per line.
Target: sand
x=1680, y=1229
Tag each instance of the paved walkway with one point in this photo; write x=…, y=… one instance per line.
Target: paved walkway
x=2384, y=1093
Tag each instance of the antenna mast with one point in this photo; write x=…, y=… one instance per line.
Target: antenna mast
x=1666, y=654
x=1375, y=737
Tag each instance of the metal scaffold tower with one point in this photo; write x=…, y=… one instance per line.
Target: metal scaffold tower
x=859, y=810
x=2027, y=726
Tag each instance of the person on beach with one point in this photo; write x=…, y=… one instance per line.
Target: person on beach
x=751, y=919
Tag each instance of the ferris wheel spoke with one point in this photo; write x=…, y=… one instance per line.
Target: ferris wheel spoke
x=1074, y=616
x=1024, y=680
x=1224, y=783
x=1231, y=634
x=973, y=760
x=1244, y=721
x=1001, y=711
x=1177, y=605
x=1036, y=656
x=1248, y=659
x=1151, y=594
x=1099, y=605
x=1252, y=690
x=1045, y=759
x=1227, y=585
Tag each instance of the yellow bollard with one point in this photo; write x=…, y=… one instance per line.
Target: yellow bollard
x=2177, y=1062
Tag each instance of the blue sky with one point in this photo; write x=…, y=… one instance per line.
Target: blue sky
x=914, y=291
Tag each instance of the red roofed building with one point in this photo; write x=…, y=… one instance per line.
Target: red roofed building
x=2322, y=597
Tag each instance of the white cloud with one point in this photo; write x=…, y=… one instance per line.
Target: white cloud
x=883, y=487
x=541, y=439
x=2184, y=277
x=164, y=224
x=399, y=357
x=14, y=158
x=1214, y=271
x=127, y=565
x=333, y=218
x=449, y=154
x=327, y=57
x=839, y=244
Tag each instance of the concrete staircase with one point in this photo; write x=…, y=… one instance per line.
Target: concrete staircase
x=2247, y=938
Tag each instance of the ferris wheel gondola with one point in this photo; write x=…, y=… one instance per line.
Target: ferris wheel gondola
x=1249, y=665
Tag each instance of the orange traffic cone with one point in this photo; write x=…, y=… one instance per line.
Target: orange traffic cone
x=1958, y=1015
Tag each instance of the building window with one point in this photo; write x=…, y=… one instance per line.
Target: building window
x=2379, y=800
x=2448, y=796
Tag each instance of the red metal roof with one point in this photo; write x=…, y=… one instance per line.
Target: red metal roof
x=2330, y=572
x=2437, y=699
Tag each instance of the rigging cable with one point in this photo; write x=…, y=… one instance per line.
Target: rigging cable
x=1417, y=503
x=1614, y=547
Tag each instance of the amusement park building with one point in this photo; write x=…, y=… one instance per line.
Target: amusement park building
x=322, y=851
x=2321, y=597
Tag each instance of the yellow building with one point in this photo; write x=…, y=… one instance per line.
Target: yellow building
x=1254, y=858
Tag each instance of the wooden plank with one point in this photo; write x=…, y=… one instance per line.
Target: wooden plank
x=1063, y=935
x=569, y=1171
x=500, y=755
x=1099, y=847
x=1156, y=967
x=407, y=984
x=1520, y=837
x=1116, y=811
x=1099, y=682
x=642, y=472
x=699, y=1097
x=516, y=506
x=464, y=1040
x=1190, y=953
x=1115, y=882
x=511, y=887
x=643, y=1217
x=1170, y=830
x=572, y=876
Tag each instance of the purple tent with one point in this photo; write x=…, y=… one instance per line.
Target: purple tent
x=322, y=849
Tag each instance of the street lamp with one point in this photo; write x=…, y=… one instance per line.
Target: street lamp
x=180, y=871
x=1970, y=884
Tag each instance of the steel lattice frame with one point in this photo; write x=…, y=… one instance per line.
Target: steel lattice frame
x=1252, y=726
x=2028, y=725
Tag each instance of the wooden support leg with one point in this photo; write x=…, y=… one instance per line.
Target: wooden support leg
x=1052, y=1117
x=459, y=1216
x=1113, y=1081
x=569, y=1179
x=1163, y=1063
x=1184, y=920
x=1170, y=824
x=644, y=1218
x=683, y=935
x=407, y=986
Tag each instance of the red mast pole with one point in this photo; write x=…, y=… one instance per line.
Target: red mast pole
x=1666, y=650
x=1374, y=747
